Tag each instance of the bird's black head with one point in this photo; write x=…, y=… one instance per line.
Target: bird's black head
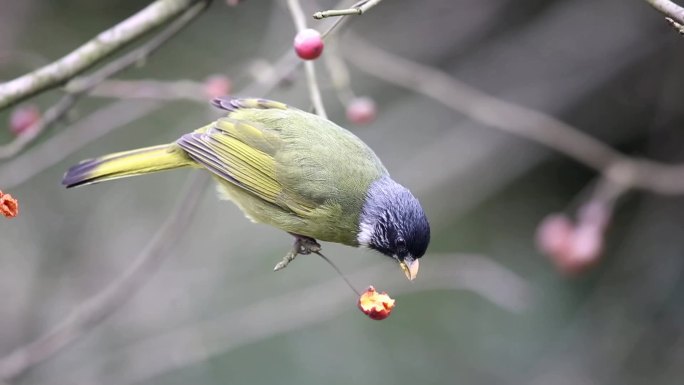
x=393, y=223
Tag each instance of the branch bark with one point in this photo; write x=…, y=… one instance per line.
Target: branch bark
x=83, y=84
x=669, y=9
x=617, y=167
x=358, y=9
x=92, y=52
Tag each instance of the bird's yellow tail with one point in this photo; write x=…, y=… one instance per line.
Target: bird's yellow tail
x=127, y=163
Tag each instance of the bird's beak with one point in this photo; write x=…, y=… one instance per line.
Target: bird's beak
x=410, y=267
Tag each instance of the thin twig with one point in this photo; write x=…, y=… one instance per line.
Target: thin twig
x=297, y=14
x=92, y=52
x=80, y=85
x=83, y=84
x=314, y=91
x=359, y=9
x=520, y=121
x=97, y=308
x=678, y=27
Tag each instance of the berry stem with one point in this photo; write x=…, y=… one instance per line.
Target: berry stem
x=339, y=272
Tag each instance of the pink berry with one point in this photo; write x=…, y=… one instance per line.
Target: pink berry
x=361, y=110
x=586, y=245
x=554, y=235
x=572, y=248
x=23, y=117
x=308, y=44
x=217, y=85
x=585, y=248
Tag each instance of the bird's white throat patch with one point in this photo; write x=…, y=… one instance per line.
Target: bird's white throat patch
x=366, y=232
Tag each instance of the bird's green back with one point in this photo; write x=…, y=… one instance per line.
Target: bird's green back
x=289, y=168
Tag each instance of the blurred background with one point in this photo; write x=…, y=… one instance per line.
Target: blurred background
x=489, y=307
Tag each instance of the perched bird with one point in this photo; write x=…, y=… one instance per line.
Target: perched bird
x=292, y=170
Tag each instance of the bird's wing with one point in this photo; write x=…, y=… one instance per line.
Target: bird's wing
x=243, y=153
x=285, y=156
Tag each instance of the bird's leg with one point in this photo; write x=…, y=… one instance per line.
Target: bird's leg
x=302, y=245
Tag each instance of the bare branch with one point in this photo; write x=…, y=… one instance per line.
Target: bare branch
x=359, y=9
x=85, y=83
x=80, y=85
x=677, y=26
x=517, y=120
x=297, y=14
x=92, y=52
x=669, y=9
x=314, y=90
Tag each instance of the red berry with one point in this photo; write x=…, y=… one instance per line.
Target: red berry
x=308, y=44
x=217, y=85
x=361, y=110
x=23, y=117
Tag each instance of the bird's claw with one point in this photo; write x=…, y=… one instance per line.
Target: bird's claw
x=301, y=246
x=289, y=257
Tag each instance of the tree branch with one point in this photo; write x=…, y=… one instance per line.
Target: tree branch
x=669, y=9
x=517, y=120
x=92, y=52
x=80, y=85
x=359, y=9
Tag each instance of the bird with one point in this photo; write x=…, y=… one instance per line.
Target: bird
x=290, y=169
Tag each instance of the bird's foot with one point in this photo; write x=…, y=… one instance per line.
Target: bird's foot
x=302, y=245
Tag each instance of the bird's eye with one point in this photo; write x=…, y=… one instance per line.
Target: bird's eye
x=401, y=243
